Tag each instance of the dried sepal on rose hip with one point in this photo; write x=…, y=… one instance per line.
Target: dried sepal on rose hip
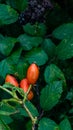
x=12, y=80
x=32, y=73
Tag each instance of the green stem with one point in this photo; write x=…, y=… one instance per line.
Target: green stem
x=4, y=113
x=6, y=90
x=30, y=87
x=12, y=100
x=34, y=119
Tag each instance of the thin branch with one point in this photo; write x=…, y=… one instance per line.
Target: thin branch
x=34, y=119
x=30, y=87
x=12, y=100
x=6, y=90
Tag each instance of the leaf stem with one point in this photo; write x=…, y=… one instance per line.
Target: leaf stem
x=15, y=99
x=12, y=100
x=6, y=90
x=34, y=119
x=30, y=87
x=25, y=97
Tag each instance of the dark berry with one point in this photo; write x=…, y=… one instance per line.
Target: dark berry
x=35, y=12
x=47, y=4
x=25, y=17
x=32, y=3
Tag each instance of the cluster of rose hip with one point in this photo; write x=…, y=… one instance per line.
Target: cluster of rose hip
x=35, y=12
x=31, y=78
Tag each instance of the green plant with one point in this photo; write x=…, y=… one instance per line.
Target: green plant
x=49, y=46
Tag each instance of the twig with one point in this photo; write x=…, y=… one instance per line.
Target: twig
x=30, y=87
x=34, y=119
x=6, y=90
x=34, y=127
x=12, y=100
x=25, y=97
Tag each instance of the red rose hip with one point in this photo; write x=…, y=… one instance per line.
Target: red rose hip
x=12, y=80
x=33, y=73
x=24, y=84
x=30, y=95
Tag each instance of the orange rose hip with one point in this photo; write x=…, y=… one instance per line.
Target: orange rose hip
x=33, y=73
x=30, y=95
x=12, y=80
x=24, y=84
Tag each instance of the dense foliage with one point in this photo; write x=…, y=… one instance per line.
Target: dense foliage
x=40, y=32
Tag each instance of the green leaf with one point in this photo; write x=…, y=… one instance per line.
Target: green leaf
x=8, y=65
x=32, y=108
x=21, y=69
x=6, y=45
x=36, y=29
x=6, y=68
x=7, y=14
x=49, y=47
x=18, y=4
x=6, y=119
x=36, y=55
x=65, y=49
x=70, y=95
x=15, y=56
x=29, y=125
x=50, y=95
x=5, y=113
x=7, y=109
x=53, y=73
x=3, y=125
x=1, y=37
x=47, y=124
x=28, y=42
x=63, y=31
x=71, y=111
x=65, y=125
